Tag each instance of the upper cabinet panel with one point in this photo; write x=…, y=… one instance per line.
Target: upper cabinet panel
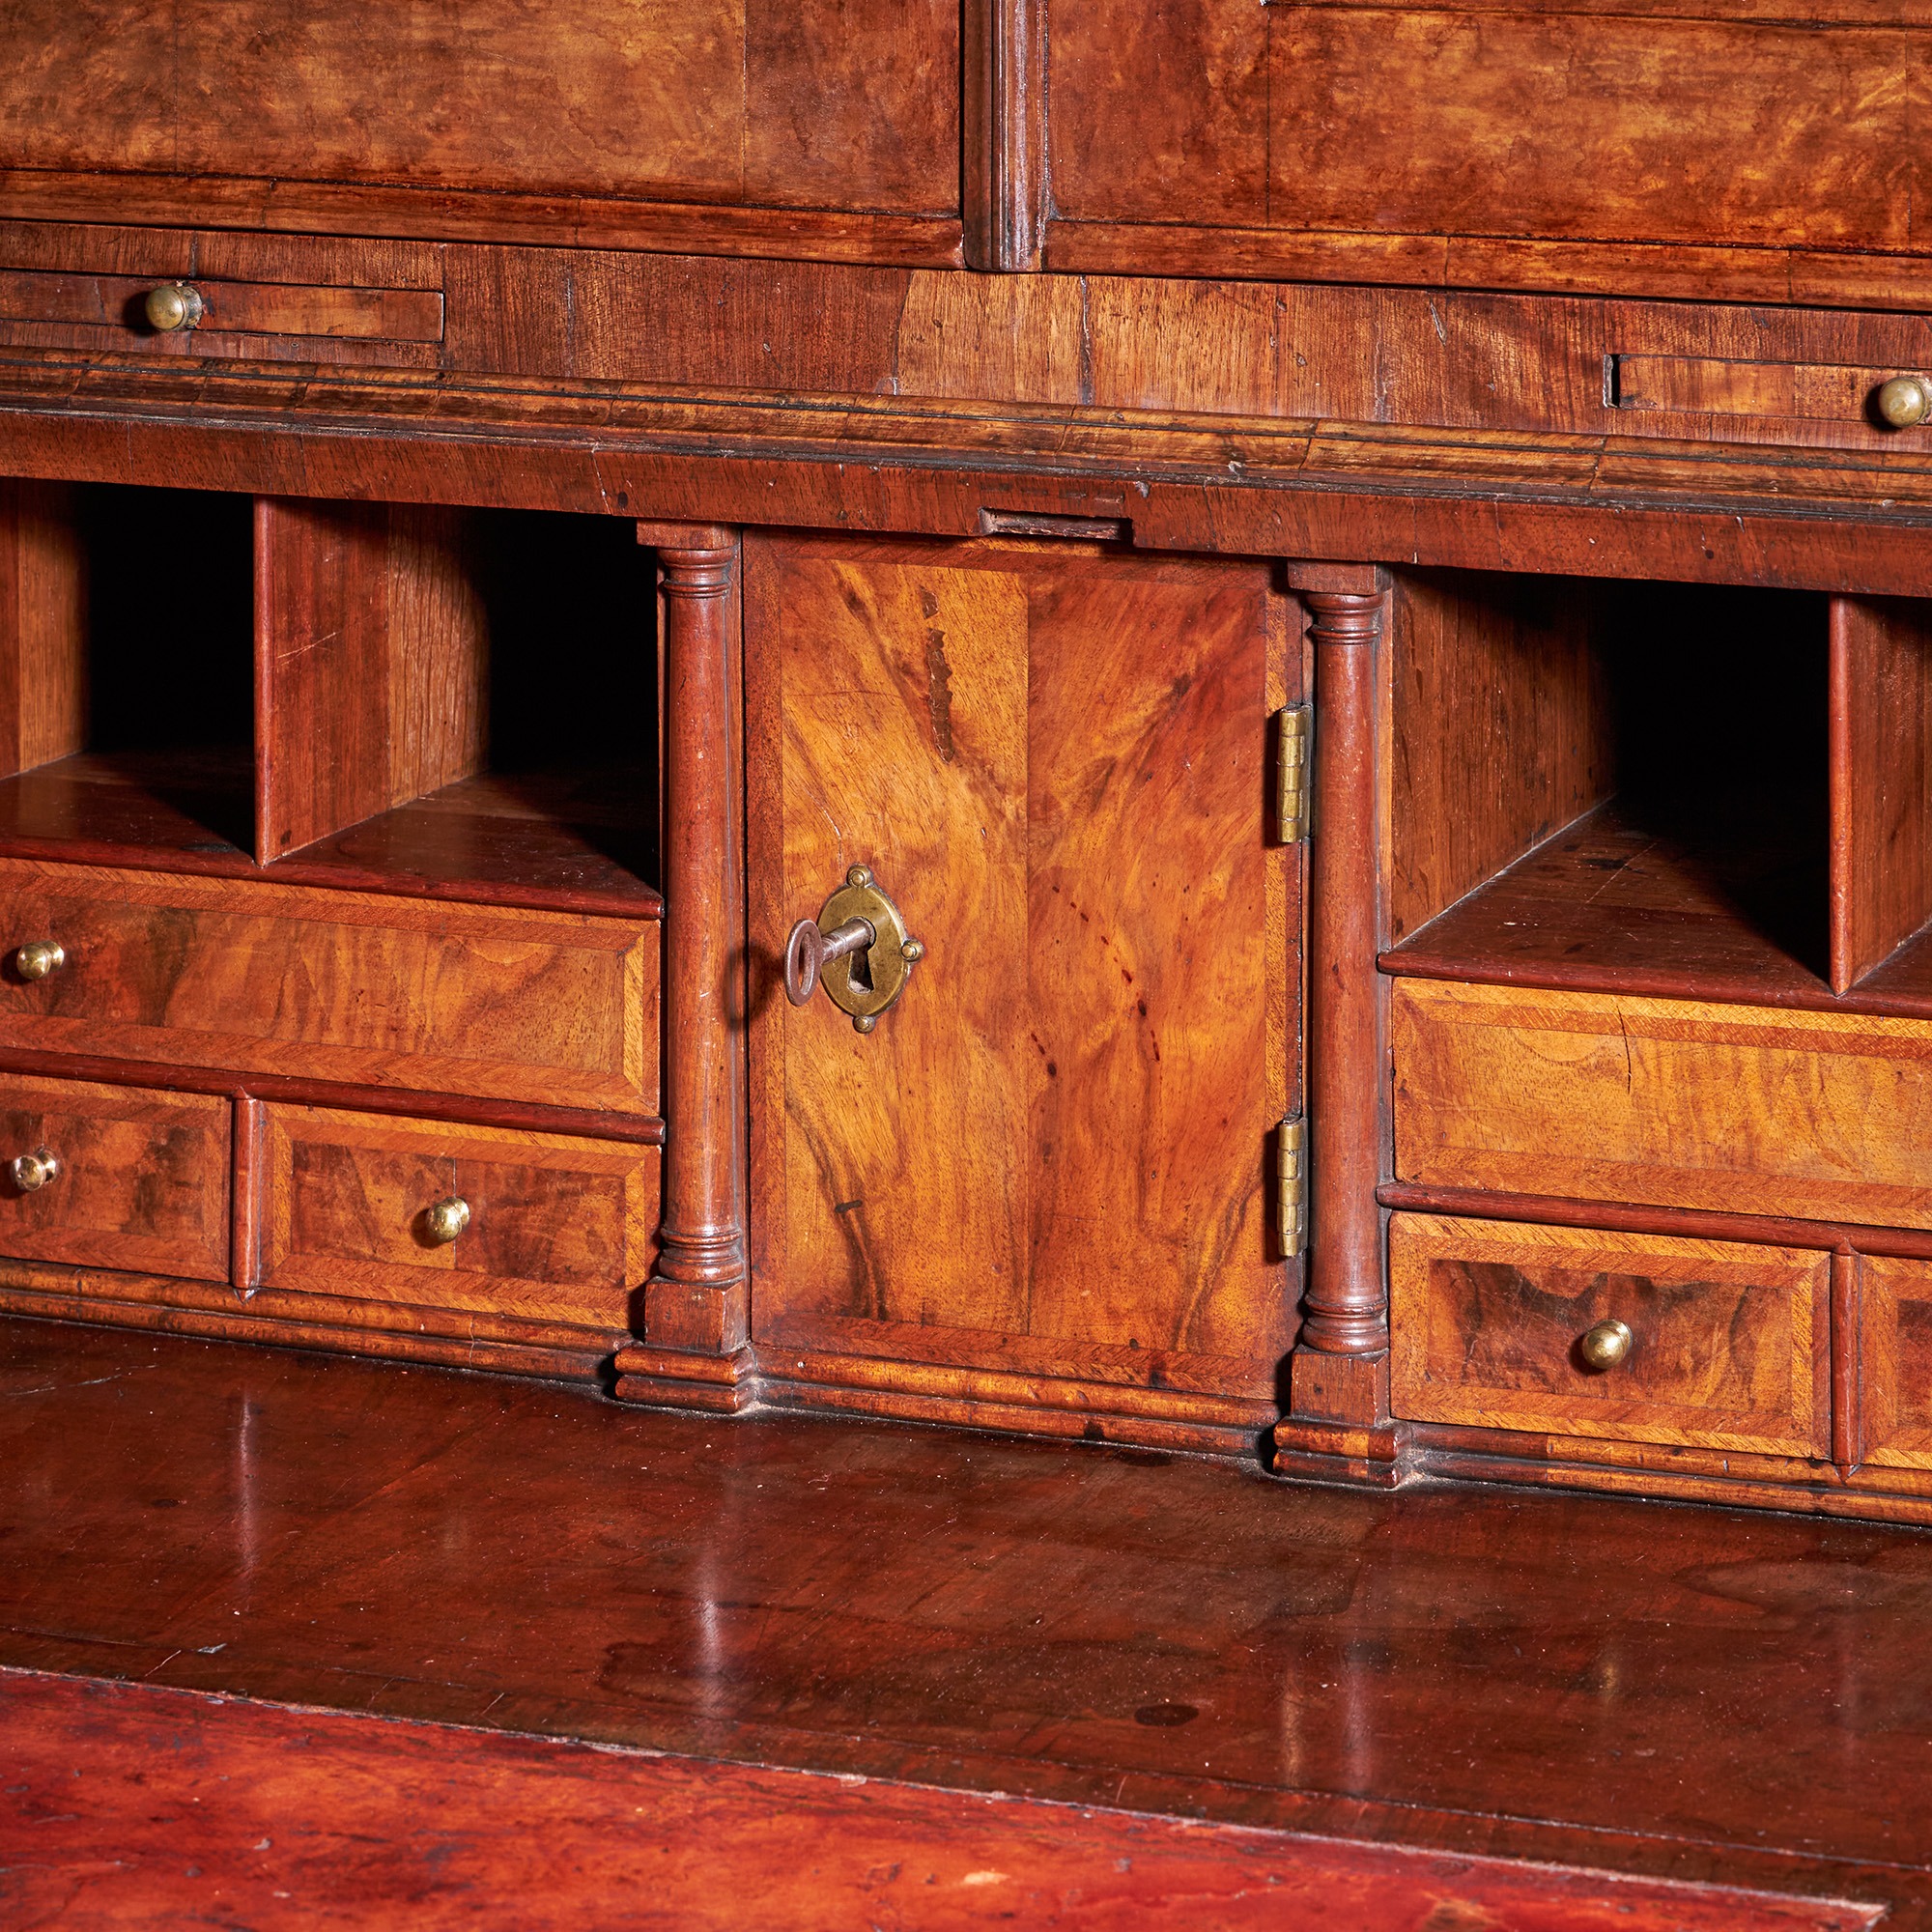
x=1160, y=112
x=1758, y=150
x=842, y=107
x=640, y=97
x=1572, y=124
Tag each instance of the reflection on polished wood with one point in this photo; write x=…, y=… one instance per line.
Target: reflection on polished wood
x=1675, y=1692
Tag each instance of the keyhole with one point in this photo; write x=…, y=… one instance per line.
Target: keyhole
x=861, y=970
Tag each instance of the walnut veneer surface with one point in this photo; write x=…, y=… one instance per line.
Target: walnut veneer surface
x=632, y=465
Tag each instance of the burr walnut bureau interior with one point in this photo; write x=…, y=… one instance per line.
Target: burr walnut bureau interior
x=1078, y=718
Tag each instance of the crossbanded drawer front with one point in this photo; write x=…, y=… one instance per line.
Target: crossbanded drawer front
x=356, y=987
x=539, y=1227
x=1639, y=1338
x=1597, y=1096
x=119, y=1178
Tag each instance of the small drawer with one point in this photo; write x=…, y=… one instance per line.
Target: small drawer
x=1675, y=1103
x=1712, y=1345
x=495, y=1222
x=1894, y=1304
x=357, y=988
x=114, y=1177
x=147, y=306
x=220, y=292
x=1846, y=395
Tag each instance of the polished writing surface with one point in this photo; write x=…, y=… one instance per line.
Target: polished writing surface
x=1688, y=1692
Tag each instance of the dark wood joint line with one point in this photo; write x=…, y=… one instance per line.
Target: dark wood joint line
x=245, y=1237
x=1847, y=1417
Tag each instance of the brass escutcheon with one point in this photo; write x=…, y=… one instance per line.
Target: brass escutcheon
x=859, y=950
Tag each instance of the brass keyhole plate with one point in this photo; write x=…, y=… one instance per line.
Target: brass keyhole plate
x=865, y=983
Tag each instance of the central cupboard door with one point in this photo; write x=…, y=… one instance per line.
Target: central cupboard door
x=1039, y=1192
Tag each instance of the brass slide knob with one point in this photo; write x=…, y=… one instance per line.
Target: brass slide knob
x=857, y=950
x=1905, y=401
x=445, y=1220
x=172, y=306
x=38, y=958
x=1605, y=1344
x=32, y=1172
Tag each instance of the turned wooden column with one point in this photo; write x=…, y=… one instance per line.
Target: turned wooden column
x=1340, y=1372
x=697, y=1301
x=1003, y=45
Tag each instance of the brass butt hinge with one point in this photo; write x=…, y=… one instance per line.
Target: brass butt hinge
x=1291, y=1179
x=1293, y=727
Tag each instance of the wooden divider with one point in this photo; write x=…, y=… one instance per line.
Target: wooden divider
x=372, y=654
x=43, y=626
x=1502, y=730
x=1881, y=710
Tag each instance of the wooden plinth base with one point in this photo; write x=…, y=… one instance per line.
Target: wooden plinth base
x=669, y=1379
x=450, y=1338
x=1059, y=1408
x=1871, y=1493
x=1339, y=1452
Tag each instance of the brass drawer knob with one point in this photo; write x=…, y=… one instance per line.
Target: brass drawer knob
x=858, y=948
x=445, y=1220
x=1605, y=1344
x=1905, y=401
x=32, y=1172
x=38, y=958
x=172, y=306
